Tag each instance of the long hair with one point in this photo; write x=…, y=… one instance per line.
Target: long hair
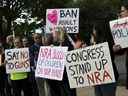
x=124, y=4
x=103, y=33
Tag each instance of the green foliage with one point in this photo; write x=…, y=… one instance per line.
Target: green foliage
x=24, y=28
x=90, y=10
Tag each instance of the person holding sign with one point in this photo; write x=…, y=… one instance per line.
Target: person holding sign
x=34, y=52
x=9, y=45
x=123, y=14
x=61, y=88
x=124, y=10
x=9, y=42
x=20, y=80
x=79, y=43
x=26, y=43
x=106, y=89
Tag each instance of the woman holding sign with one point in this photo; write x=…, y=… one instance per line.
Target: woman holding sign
x=61, y=88
x=123, y=14
x=20, y=80
x=120, y=51
x=100, y=37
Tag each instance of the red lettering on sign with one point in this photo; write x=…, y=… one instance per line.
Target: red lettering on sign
x=106, y=76
x=98, y=77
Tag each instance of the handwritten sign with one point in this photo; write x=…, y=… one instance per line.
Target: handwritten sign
x=89, y=66
x=64, y=18
x=51, y=62
x=17, y=60
x=119, y=29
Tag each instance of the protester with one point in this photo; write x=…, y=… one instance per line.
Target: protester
x=25, y=42
x=61, y=88
x=47, y=41
x=124, y=10
x=117, y=48
x=106, y=89
x=79, y=43
x=124, y=13
x=9, y=42
x=9, y=45
x=20, y=80
x=55, y=86
x=35, y=51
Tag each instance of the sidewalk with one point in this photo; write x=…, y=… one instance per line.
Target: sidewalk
x=89, y=91
x=121, y=91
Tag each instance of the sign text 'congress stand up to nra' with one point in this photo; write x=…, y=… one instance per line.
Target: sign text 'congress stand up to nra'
x=89, y=66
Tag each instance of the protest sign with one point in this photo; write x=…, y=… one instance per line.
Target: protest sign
x=89, y=66
x=51, y=61
x=119, y=30
x=67, y=18
x=17, y=60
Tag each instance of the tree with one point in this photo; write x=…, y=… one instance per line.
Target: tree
x=36, y=7
x=92, y=11
x=12, y=8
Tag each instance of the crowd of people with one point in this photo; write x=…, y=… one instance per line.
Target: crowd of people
x=16, y=84
x=26, y=84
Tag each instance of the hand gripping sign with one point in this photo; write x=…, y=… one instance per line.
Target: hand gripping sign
x=119, y=30
x=67, y=18
x=51, y=61
x=17, y=60
x=89, y=66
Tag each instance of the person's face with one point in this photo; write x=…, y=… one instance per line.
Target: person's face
x=124, y=12
x=9, y=40
x=17, y=43
x=25, y=42
x=37, y=39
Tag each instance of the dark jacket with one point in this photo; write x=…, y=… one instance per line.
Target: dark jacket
x=104, y=35
x=34, y=51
